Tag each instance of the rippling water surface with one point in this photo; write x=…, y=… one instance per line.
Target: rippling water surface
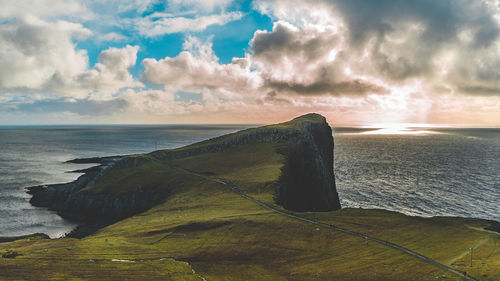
x=419, y=172
x=432, y=172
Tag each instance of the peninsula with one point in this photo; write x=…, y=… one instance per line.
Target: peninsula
x=258, y=204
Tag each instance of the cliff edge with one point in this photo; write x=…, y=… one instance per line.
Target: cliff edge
x=307, y=181
x=292, y=161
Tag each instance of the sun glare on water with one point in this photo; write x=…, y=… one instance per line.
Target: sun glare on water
x=399, y=129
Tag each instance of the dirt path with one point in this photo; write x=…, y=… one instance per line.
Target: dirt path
x=467, y=252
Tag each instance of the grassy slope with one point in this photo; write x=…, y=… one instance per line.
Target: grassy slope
x=225, y=237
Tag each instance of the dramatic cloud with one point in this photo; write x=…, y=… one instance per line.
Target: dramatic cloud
x=286, y=60
x=197, y=68
x=308, y=61
x=450, y=43
x=440, y=21
x=356, y=61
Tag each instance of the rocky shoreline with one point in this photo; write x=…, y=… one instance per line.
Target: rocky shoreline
x=48, y=195
x=90, y=211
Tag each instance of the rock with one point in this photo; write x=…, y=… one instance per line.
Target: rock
x=307, y=182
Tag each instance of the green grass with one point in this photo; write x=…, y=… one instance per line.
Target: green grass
x=123, y=180
x=225, y=237
x=297, y=123
x=253, y=166
x=205, y=227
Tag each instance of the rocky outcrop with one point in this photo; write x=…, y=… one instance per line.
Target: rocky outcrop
x=307, y=182
x=71, y=202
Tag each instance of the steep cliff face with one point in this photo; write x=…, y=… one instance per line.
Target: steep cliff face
x=306, y=183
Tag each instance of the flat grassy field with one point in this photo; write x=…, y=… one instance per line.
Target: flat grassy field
x=205, y=231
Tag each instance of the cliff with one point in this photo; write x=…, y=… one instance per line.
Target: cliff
x=123, y=186
x=307, y=181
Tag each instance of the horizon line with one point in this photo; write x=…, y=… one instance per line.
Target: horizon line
x=357, y=126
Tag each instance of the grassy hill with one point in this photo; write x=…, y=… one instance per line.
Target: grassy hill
x=201, y=229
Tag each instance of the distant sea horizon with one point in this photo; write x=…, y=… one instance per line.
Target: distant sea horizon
x=374, y=126
x=434, y=171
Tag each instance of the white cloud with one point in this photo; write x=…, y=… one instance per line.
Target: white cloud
x=197, y=5
x=43, y=8
x=150, y=101
x=111, y=37
x=130, y=5
x=111, y=73
x=197, y=68
x=40, y=56
x=297, y=60
x=35, y=53
x=160, y=24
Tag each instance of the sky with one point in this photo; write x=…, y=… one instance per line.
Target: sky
x=357, y=62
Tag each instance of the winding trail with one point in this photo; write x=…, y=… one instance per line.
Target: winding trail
x=238, y=191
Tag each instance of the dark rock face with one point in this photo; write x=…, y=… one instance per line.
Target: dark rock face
x=72, y=203
x=82, y=206
x=307, y=182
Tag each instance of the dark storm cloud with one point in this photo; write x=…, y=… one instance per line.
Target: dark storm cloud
x=295, y=61
x=284, y=41
x=443, y=19
x=442, y=22
x=432, y=42
x=352, y=87
x=480, y=90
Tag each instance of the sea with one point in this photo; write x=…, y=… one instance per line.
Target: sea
x=416, y=171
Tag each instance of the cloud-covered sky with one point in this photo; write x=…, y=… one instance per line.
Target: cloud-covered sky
x=358, y=62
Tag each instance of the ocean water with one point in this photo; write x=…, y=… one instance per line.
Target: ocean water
x=35, y=155
x=425, y=172
x=445, y=172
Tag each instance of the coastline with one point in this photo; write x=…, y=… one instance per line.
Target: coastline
x=89, y=225
x=349, y=188
x=85, y=225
